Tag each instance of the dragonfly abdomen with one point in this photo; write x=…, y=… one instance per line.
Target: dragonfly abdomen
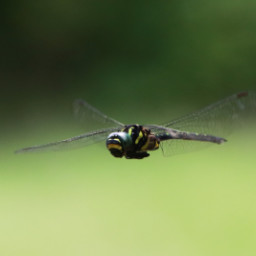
x=174, y=134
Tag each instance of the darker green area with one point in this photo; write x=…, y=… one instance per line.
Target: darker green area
x=144, y=55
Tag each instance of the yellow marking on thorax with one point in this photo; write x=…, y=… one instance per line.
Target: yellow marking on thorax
x=110, y=146
x=130, y=131
x=139, y=137
x=157, y=145
x=146, y=146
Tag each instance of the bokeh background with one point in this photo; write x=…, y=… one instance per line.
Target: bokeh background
x=139, y=62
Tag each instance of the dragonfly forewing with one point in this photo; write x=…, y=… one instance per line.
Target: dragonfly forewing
x=71, y=143
x=88, y=115
x=220, y=118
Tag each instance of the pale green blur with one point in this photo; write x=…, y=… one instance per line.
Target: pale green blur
x=86, y=202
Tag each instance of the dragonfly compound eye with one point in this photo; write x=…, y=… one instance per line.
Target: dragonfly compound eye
x=117, y=143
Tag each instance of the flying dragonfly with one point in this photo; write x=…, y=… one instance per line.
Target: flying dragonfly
x=206, y=126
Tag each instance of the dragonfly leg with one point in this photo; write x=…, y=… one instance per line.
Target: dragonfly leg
x=136, y=155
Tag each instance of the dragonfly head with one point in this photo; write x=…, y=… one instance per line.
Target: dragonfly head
x=118, y=142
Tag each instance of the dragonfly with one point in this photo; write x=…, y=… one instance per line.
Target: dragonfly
x=209, y=125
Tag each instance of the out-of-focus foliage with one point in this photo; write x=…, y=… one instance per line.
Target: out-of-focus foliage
x=57, y=49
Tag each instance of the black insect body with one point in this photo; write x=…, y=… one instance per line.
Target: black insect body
x=133, y=141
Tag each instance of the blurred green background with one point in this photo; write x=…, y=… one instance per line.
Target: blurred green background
x=139, y=62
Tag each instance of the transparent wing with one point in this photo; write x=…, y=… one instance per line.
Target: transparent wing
x=88, y=114
x=74, y=142
x=176, y=147
x=218, y=119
